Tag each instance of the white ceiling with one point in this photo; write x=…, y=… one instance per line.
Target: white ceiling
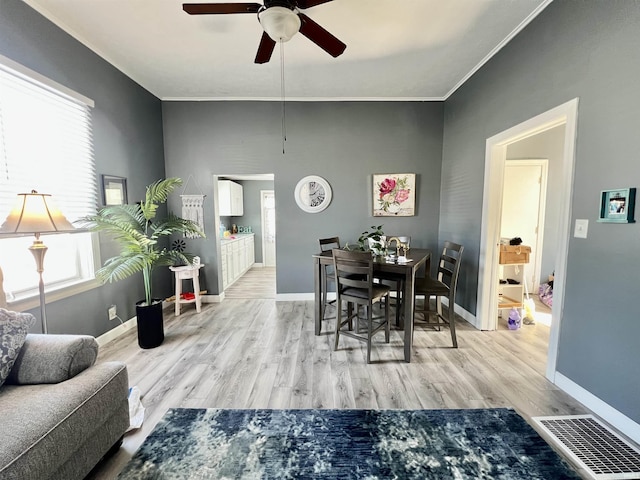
x=396, y=49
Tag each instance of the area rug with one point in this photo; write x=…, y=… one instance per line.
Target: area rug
x=345, y=444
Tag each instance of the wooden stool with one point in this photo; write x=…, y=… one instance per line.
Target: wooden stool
x=184, y=273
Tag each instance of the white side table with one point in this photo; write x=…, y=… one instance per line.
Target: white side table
x=185, y=273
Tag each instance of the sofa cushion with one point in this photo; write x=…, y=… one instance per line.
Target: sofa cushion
x=52, y=358
x=13, y=332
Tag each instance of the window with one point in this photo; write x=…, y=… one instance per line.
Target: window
x=45, y=145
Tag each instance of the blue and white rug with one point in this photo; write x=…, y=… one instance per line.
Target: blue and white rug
x=345, y=444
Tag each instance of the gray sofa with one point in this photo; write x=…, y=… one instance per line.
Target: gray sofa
x=61, y=412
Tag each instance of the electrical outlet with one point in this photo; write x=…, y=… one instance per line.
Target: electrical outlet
x=113, y=314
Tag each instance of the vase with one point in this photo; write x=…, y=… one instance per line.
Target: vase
x=394, y=207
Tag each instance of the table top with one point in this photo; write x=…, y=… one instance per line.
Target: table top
x=184, y=268
x=415, y=256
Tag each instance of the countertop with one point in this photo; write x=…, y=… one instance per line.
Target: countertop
x=235, y=237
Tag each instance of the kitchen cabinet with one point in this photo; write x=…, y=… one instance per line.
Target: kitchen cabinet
x=237, y=256
x=230, y=203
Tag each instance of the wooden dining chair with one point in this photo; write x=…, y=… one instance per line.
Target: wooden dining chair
x=327, y=275
x=354, y=285
x=444, y=285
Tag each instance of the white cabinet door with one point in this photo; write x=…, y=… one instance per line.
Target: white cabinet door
x=235, y=260
x=241, y=255
x=230, y=203
x=251, y=251
x=237, y=256
x=224, y=262
x=237, y=204
x=224, y=198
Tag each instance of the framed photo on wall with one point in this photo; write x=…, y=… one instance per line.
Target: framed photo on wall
x=618, y=206
x=114, y=190
x=394, y=194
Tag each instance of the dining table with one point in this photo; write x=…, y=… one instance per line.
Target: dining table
x=415, y=259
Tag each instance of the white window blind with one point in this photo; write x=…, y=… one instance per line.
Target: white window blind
x=45, y=145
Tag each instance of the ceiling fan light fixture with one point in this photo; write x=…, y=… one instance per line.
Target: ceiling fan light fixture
x=280, y=23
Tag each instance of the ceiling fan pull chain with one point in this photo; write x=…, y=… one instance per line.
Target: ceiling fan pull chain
x=284, y=125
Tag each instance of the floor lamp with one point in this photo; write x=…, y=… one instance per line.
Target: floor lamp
x=35, y=214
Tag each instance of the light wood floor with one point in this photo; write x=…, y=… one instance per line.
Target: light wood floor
x=259, y=353
x=258, y=282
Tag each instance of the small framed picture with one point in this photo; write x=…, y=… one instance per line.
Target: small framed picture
x=618, y=206
x=114, y=190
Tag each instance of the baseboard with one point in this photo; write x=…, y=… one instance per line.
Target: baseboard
x=468, y=316
x=605, y=411
x=296, y=297
x=293, y=297
x=212, y=298
x=116, y=332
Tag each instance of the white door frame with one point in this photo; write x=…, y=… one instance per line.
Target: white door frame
x=543, y=163
x=264, y=246
x=495, y=158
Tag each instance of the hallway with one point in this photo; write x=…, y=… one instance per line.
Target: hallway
x=258, y=282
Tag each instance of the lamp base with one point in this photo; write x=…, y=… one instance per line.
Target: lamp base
x=39, y=249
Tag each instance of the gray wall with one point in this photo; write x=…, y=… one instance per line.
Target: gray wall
x=127, y=127
x=549, y=145
x=589, y=50
x=344, y=142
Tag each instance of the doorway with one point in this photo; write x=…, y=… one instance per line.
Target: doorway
x=268, y=209
x=495, y=162
x=523, y=211
x=241, y=256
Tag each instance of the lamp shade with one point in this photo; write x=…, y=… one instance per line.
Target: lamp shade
x=280, y=23
x=35, y=213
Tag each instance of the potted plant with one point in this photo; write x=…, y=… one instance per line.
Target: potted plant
x=139, y=235
x=373, y=240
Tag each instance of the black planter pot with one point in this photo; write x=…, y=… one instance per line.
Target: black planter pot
x=150, y=324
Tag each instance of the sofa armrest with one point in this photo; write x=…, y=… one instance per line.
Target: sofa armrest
x=52, y=358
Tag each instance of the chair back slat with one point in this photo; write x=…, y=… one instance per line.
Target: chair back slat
x=329, y=243
x=353, y=269
x=354, y=285
x=449, y=265
x=445, y=286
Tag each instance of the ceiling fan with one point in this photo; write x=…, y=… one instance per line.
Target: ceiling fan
x=280, y=20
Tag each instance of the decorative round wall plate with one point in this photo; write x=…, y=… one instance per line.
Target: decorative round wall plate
x=313, y=194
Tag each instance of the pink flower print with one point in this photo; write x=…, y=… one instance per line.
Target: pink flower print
x=402, y=196
x=387, y=186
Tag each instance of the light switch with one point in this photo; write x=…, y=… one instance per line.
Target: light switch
x=582, y=225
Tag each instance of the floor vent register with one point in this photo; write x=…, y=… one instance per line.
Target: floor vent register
x=589, y=443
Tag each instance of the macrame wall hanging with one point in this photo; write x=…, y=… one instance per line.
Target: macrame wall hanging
x=193, y=208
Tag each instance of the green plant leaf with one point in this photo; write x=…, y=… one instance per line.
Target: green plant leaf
x=131, y=227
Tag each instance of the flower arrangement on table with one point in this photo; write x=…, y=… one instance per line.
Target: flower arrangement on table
x=393, y=194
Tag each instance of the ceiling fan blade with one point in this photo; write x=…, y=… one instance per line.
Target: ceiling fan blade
x=310, y=3
x=220, y=8
x=265, y=49
x=320, y=36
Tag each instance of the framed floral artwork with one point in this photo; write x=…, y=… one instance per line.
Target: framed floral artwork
x=394, y=194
